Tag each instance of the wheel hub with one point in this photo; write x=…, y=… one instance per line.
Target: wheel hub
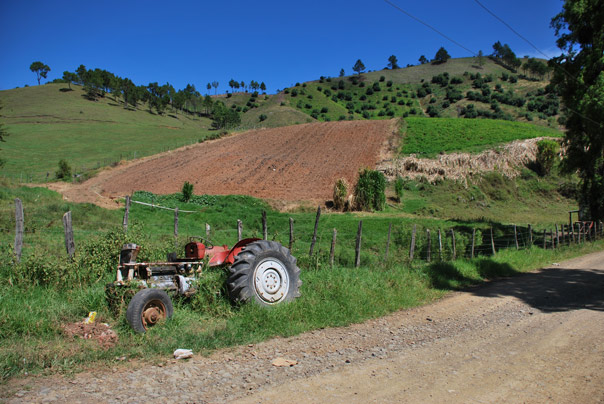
x=152, y=313
x=271, y=281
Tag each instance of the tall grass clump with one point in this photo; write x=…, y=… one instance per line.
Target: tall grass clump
x=340, y=194
x=369, y=190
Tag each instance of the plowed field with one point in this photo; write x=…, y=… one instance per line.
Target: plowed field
x=291, y=164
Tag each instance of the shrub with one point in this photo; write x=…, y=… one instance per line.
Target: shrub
x=369, y=191
x=262, y=117
x=187, y=191
x=398, y=188
x=546, y=155
x=64, y=171
x=340, y=194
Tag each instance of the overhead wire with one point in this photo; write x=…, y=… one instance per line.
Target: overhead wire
x=429, y=26
x=547, y=57
x=473, y=53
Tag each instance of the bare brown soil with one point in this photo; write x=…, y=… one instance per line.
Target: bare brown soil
x=292, y=164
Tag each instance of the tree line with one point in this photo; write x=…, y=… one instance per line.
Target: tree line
x=97, y=83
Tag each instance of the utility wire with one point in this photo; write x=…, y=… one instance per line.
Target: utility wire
x=429, y=26
x=510, y=28
x=546, y=57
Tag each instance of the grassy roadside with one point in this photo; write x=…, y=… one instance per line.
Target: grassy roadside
x=32, y=341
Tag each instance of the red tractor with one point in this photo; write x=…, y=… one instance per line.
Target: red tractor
x=260, y=271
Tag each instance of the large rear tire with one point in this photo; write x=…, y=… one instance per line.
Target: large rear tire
x=266, y=273
x=147, y=308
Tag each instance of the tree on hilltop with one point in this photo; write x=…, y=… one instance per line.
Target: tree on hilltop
x=358, y=67
x=441, y=56
x=423, y=60
x=70, y=77
x=393, y=62
x=40, y=69
x=215, y=85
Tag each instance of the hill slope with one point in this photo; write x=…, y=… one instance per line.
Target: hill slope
x=296, y=163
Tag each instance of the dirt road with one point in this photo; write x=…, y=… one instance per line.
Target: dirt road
x=535, y=338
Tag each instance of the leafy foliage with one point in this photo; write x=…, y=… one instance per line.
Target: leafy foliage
x=187, y=191
x=340, y=194
x=64, y=171
x=369, y=190
x=547, y=150
x=580, y=79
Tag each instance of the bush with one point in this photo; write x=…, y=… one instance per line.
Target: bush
x=340, y=194
x=262, y=117
x=546, y=155
x=187, y=191
x=64, y=171
x=369, y=191
x=398, y=188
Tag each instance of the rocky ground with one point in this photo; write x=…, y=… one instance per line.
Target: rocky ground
x=534, y=338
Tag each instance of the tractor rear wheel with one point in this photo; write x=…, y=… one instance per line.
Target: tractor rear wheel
x=147, y=308
x=266, y=273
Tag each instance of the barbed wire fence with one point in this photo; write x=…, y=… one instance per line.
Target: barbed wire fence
x=413, y=242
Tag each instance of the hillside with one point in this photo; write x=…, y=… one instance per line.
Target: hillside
x=51, y=122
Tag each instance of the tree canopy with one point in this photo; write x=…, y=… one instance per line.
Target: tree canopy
x=358, y=67
x=579, y=76
x=40, y=69
x=393, y=62
x=441, y=56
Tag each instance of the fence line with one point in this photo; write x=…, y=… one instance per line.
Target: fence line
x=474, y=241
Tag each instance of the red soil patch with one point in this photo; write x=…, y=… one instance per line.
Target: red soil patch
x=291, y=164
x=99, y=332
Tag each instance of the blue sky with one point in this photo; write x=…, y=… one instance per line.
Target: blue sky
x=278, y=42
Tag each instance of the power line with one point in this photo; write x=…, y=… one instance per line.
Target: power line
x=546, y=57
x=429, y=26
x=510, y=28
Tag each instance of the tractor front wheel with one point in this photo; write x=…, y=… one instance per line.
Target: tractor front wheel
x=266, y=273
x=147, y=308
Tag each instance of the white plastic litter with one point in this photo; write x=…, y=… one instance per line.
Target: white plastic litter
x=183, y=354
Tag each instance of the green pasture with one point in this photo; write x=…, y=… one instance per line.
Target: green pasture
x=428, y=137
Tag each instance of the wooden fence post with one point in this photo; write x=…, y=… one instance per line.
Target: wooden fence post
x=530, y=232
x=314, y=234
x=332, y=251
x=557, y=237
x=208, y=231
x=429, y=245
x=357, y=250
x=516, y=237
x=571, y=229
x=544, y=239
x=453, y=244
x=473, y=241
x=19, y=226
x=440, y=246
x=239, y=230
x=264, y=226
x=69, y=243
x=579, y=233
x=563, y=234
x=493, y=242
x=552, y=239
x=412, y=248
x=291, y=233
x=126, y=214
x=176, y=224
x=388, y=241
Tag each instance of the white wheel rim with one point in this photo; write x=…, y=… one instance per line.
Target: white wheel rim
x=271, y=281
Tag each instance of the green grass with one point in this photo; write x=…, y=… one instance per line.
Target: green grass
x=48, y=290
x=47, y=125
x=427, y=137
